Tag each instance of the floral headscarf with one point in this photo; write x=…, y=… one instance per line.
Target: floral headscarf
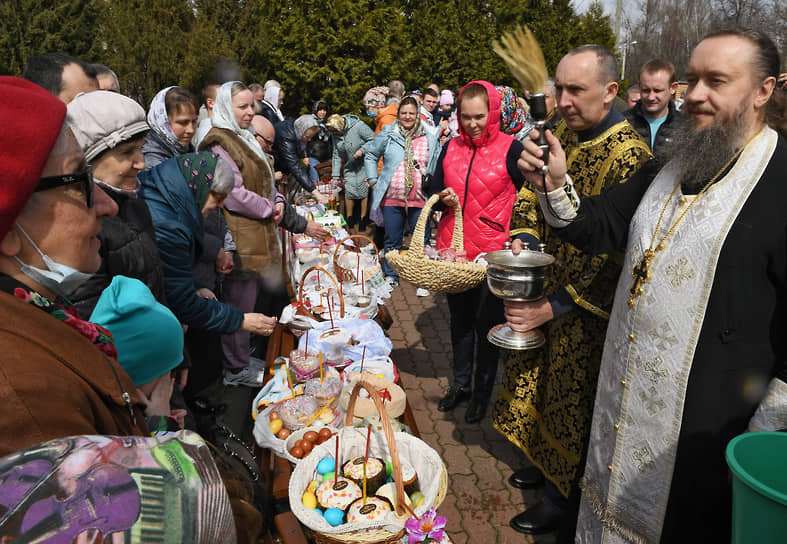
x=198, y=170
x=224, y=117
x=409, y=154
x=159, y=123
x=62, y=310
x=514, y=114
x=375, y=96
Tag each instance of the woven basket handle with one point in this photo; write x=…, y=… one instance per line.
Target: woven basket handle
x=357, y=249
x=457, y=238
x=389, y=436
x=338, y=289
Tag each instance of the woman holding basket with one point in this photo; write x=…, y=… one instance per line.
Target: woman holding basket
x=409, y=150
x=477, y=171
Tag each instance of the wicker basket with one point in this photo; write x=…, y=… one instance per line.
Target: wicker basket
x=345, y=274
x=377, y=536
x=320, y=269
x=437, y=276
x=367, y=407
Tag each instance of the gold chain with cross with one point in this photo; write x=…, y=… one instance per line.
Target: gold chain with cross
x=641, y=271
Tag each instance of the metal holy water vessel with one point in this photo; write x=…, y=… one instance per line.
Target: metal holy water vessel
x=517, y=278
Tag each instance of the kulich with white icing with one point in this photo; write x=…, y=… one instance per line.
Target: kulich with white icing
x=353, y=468
x=337, y=493
x=409, y=478
x=375, y=509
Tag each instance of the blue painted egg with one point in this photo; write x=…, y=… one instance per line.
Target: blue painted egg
x=326, y=465
x=334, y=516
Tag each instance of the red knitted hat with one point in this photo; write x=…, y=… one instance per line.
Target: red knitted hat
x=31, y=119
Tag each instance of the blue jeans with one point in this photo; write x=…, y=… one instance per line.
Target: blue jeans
x=313, y=171
x=396, y=219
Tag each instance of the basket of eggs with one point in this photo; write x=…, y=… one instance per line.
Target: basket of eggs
x=316, y=407
x=361, y=486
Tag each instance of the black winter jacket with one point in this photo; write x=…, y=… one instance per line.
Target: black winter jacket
x=268, y=113
x=665, y=133
x=128, y=248
x=321, y=146
x=287, y=154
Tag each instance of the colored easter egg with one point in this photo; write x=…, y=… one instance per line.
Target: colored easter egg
x=417, y=499
x=309, y=500
x=326, y=465
x=334, y=516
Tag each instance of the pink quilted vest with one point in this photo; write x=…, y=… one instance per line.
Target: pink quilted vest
x=476, y=171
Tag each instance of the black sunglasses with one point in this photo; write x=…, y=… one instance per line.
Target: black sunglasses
x=264, y=139
x=84, y=177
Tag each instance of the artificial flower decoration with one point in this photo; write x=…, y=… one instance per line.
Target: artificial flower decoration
x=427, y=529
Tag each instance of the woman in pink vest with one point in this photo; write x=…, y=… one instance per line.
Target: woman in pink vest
x=478, y=170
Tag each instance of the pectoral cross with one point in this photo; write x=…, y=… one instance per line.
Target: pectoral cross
x=641, y=274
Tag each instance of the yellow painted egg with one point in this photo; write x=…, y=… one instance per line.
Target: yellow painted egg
x=309, y=500
x=276, y=425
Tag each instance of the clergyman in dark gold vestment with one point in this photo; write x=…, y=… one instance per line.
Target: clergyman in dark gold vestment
x=546, y=399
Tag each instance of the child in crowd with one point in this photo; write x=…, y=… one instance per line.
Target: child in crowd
x=149, y=342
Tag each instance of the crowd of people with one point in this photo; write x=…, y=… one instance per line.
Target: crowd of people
x=148, y=236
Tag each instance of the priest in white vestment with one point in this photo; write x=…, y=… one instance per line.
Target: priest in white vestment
x=697, y=341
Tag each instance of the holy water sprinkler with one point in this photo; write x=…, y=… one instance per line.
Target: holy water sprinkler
x=523, y=56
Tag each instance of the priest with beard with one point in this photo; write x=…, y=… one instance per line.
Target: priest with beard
x=695, y=350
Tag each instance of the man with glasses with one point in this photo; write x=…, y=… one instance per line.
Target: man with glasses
x=288, y=218
x=59, y=374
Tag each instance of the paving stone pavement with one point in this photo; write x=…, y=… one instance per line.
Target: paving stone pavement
x=479, y=502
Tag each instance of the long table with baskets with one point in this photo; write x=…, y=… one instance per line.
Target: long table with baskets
x=278, y=470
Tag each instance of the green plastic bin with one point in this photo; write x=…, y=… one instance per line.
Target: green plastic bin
x=758, y=461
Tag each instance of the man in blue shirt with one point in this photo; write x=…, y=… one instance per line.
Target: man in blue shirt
x=655, y=116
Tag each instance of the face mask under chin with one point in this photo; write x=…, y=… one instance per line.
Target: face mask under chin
x=59, y=278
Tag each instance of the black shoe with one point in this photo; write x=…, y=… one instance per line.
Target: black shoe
x=542, y=518
x=526, y=478
x=476, y=411
x=452, y=399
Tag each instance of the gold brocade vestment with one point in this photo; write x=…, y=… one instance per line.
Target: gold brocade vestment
x=546, y=398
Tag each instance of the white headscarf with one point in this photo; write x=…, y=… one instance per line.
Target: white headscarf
x=159, y=123
x=304, y=123
x=272, y=99
x=224, y=117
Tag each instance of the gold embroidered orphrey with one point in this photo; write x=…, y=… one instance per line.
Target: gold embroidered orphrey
x=546, y=396
x=641, y=271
